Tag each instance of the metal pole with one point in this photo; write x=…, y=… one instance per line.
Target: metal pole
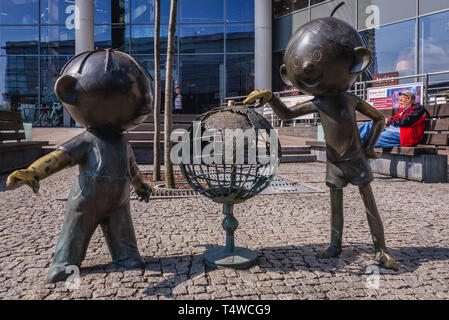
x=84, y=29
x=262, y=56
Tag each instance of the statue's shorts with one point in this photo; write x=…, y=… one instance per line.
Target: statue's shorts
x=356, y=171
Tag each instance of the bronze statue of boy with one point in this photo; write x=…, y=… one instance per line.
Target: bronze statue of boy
x=323, y=58
x=108, y=92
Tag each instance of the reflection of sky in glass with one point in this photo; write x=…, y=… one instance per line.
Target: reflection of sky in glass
x=19, y=11
x=103, y=12
x=21, y=38
x=240, y=37
x=434, y=42
x=238, y=10
x=201, y=11
x=54, y=11
x=201, y=38
x=393, y=47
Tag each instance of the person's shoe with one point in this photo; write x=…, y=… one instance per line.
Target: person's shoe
x=132, y=262
x=386, y=261
x=57, y=273
x=332, y=251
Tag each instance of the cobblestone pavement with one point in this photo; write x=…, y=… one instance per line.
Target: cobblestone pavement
x=288, y=230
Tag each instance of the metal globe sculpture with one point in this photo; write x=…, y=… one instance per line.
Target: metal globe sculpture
x=241, y=168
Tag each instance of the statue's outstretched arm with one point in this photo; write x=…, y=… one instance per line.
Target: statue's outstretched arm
x=40, y=169
x=281, y=110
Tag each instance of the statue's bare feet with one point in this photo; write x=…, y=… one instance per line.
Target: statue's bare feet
x=386, y=261
x=332, y=251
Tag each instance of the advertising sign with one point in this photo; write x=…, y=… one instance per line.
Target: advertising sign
x=292, y=101
x=388, y=81
x=387, y=97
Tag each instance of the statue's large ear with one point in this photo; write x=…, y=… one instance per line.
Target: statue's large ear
x=65, y=89
x=362, y=59
x=284, y=77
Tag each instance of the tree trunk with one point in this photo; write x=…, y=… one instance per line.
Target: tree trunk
x=169, y=177
x=157, y=95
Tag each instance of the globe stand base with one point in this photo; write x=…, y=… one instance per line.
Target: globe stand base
x=241, y=258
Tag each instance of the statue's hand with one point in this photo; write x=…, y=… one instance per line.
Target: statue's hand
x=21, y=177
x=371, y=154
x=264, y=96
x=143, y=192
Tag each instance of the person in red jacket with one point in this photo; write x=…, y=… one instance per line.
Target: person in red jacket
x=405, y=128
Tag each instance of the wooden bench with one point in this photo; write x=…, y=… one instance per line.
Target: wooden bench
x=426, y=162
x=141, y=138
x=15, y=153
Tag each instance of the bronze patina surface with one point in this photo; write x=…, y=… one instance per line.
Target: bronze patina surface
x=108, y=92
x=323, y=59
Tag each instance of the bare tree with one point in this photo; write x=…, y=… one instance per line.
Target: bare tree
x=169, y=177
x=157, y=94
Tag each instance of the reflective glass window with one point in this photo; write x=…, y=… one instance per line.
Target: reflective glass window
x=300, y=4
x=313, y=2
x=240, y=37
x=372, y=13
x=143, y=11
x=50, y=68
x=426, y=6
x=143, y=39
x=281, y=7
x=201, y=38
x=19, y=11
x=201, y=80
x=346, y=13
x=111, y=11
x=199, y=11
x=434, y=44
x=148, y=62
x=115, y=37
x=57, y=12
x=392, y=47
x=237, y=10
x=57, y=40
x=239, y=74
x=18, y=83
x=18, y=39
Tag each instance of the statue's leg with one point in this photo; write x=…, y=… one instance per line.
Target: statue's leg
x=376, y=227
x=119, y=233
x=336, y=224
x=77, y=230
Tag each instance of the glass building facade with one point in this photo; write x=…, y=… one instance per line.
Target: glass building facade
x=405, y=36
x=214, y=49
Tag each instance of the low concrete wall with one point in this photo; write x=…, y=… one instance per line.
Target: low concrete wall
x=299, y=131
x=430, y=168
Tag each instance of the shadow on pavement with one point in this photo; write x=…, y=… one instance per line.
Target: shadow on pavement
x=284, y=260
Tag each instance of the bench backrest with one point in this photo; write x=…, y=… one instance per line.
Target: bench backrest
x=437, y=125
x=10, y=125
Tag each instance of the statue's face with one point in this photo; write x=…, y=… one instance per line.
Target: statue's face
x=319, y=63
x=101, y=89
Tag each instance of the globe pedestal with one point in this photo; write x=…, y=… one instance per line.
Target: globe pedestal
x=230, y=256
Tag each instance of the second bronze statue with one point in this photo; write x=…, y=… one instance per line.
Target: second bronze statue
x=323, y=59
